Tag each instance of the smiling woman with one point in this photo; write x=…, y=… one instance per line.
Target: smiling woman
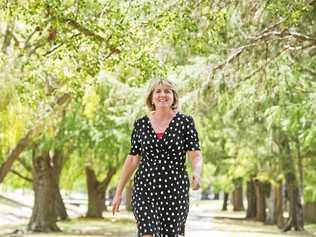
x=159, y=144
x=162, y=93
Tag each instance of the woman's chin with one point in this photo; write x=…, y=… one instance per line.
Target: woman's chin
x=164, y=107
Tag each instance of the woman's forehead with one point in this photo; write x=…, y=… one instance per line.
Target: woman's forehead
x=162, y=86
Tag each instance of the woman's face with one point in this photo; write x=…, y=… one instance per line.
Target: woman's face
x=162, y=96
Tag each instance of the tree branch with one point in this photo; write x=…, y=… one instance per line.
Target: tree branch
x=282, y=34
x=26, y=44
x=264, y=65
x=7, y=39
x=107, y=179
x=25, y=165
x=58, y=46
x=37, y=46
x=113, y=50
x=26, y=140
x=269, y=28
x=21, y=176
x=265, y=37
x=84, y=30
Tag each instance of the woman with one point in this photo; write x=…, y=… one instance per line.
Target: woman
x=159, y=144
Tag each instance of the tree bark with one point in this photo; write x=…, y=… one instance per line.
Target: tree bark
x=96, y=192
x=270, y=201
x=295, y=219
x=106, y=182
x=238, y=204
x=300, y=168
x=44, y=216
x=260, y=200
x=251, y=200
x=278, y=205
x=225, y=201
x=60, y=208
x=58, y=161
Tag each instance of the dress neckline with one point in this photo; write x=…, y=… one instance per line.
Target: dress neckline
x=159, y=135
x=168, y=127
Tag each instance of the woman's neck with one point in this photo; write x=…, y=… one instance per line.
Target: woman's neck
x=163, y=113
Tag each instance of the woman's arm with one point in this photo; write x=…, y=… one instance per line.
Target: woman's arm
x=129, y=167
x=196, y=159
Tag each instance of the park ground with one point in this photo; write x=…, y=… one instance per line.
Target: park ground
x=205, y=220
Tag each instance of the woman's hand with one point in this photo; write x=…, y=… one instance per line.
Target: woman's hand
x=196, y=182
x=196, y=159
x=116, y=203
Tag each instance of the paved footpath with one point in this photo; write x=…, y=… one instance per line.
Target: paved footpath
x=207, y=221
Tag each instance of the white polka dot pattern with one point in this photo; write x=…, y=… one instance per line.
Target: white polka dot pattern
x=161, y=185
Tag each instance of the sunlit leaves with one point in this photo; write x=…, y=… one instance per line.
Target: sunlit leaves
x=90, y=102
x=294, y=11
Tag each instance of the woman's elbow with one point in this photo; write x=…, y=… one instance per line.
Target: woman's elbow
x=195, y=155
x=132, y=161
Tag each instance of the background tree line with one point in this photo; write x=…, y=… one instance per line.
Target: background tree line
x=74, y=74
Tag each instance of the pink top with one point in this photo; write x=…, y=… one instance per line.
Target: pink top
x=159, y=135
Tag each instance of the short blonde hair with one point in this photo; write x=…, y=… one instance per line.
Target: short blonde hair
x=151, y=88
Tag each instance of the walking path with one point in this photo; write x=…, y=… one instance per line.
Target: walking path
x=205, y=220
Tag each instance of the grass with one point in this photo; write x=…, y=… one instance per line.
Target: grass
x=81, y=227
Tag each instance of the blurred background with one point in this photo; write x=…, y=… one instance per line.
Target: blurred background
x=73, y=78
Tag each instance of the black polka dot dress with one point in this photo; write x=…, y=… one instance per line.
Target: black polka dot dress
x=160, y=197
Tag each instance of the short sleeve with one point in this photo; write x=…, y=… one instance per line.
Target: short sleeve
x=191, y=136
x=135, y=141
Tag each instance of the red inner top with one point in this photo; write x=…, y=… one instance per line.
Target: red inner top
x=159, y=135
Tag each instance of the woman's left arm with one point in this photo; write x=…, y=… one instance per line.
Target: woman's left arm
x=196, y=159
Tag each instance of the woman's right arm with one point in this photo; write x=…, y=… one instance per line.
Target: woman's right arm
x=129, y=167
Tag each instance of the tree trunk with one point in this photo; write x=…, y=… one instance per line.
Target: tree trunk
x=44, y=216
x=107, y=180
x=60, y=208
x=225, y=201
x=96, y=192
x=58, y=161
x=251, y=200
x=238, y=198
x=216, y=196
x=260, y=200
x=278, y=205
x=295, y=219
x=300, y=169
x=270, y=201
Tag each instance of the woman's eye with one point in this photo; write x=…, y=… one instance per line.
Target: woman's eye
x=167, y=91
